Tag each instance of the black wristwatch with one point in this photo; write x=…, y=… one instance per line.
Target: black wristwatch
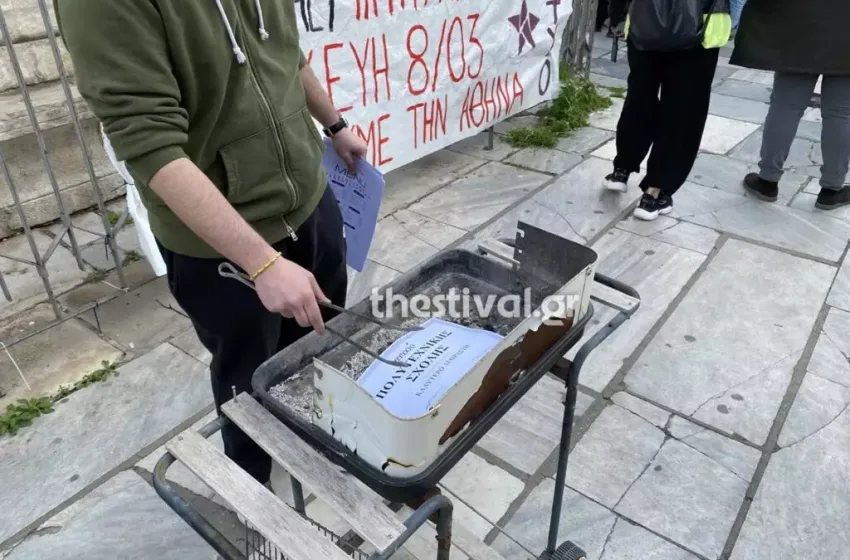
x=336, y=128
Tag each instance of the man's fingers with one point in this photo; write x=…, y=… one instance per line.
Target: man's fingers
x=320, y=295
x=301, y=317
x=314, y=316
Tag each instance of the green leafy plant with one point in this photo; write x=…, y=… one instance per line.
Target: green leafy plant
x=25, y=411
x=113, y=217
x=131, y=256
x=22, y=413
x=104, y=372
x=568, y=112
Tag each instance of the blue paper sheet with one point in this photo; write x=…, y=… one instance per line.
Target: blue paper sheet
x=359, y=197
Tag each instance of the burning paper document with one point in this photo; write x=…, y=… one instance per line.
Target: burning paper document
x=438, y=356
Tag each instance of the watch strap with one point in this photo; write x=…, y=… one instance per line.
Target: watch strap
x=335, y=128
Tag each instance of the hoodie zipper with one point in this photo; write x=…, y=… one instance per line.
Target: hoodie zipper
x=281, y=148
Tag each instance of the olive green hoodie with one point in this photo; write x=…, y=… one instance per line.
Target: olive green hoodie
x=216, y=81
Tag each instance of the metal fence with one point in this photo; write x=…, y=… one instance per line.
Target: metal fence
x=575, y=51
x=67, y=232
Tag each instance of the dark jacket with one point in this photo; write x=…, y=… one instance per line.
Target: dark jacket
x=168, y=81
x=795, y=36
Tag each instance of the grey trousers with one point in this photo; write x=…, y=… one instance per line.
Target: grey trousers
x=788, y=102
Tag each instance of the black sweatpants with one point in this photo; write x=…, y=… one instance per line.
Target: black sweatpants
x=672, y=123
x=241, y=334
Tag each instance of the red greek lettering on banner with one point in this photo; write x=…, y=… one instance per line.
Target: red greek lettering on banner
x=454, y=51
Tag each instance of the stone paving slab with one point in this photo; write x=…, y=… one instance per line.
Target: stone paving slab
x=124, y=518
x=424, y=176
x=142, y=318
x=55, y=357
x=583, y=521
x=722, y=134
x=477, y=146
x=531, y=431
x=800, y=509
x=553, y=162
x=585, y=140
x=531, y=212
x=189, y=343
x=612, y=455
x=686, y=497
x=96, y=430
x=421, y=239
x=817, y=235
x=484, y=487
x=361, y=284
x=478, y=197
x=689, y=236
x=658, y=272
x=578, y=196
x=803, y=153
x=740, y=362
x=745, y=90
x=829, y=359
x=738, y=108
x=23, y=280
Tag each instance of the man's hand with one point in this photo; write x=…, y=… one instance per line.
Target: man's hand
x=350, y=147
x=292, y=291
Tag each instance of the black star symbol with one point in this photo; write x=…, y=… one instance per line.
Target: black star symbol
x=524, y=23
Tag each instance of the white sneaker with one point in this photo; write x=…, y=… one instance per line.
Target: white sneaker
x=618, y=181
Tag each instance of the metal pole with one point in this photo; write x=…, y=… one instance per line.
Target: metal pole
x=297, y=496
x=78, y=129
x=39, y=264
x=491, y=133
x=22, y=83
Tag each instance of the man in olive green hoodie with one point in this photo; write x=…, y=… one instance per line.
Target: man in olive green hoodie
x=210, y=104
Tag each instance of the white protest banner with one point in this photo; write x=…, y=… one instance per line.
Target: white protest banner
x=438, y=356
x=414, y=76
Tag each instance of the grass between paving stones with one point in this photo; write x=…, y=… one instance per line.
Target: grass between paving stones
x=618, y=92
x=112, y=217
x=130, y=257
x=568, y=112
x=22, y=413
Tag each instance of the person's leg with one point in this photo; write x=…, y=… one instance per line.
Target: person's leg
x=685, y=97
x=239, y=332
x=735, y=9
x=601, y=14
x=835, y=142
x=637, y=124
x=788, y=101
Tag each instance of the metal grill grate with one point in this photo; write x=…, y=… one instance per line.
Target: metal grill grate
x=260, y=549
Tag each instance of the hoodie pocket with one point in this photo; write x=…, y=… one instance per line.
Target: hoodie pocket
x=304, y=150
x=253, y=169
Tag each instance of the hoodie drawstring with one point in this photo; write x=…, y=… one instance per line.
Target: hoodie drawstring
x=263, y=34
x=237, y=50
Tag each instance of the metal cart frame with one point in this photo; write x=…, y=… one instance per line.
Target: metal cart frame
x=437, y=506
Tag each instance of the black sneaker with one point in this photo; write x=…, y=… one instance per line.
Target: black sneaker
x=829, y=199
x=651, y=207
x=759, y=188
x=617, y=181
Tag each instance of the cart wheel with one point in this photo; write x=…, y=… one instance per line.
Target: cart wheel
x=569, y=551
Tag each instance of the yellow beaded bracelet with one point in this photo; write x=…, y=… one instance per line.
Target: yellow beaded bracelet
x=265, y=267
